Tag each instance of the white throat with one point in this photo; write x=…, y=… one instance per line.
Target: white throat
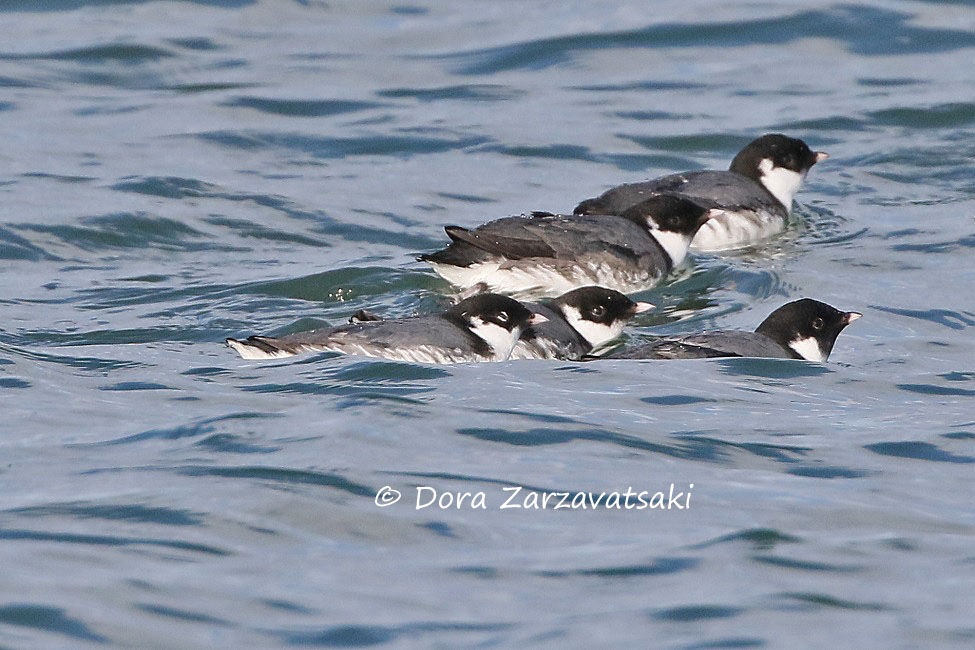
x=596, y=334
x=674, y=244
x=782, y=183
x=502, y=341
x=808, y=349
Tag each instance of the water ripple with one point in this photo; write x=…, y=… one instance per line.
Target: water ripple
x=128, y=53
x=366, y=635
x=280, y=475
x=114, y=512
x=402, y=146
x=128, y=230
x=468, y=92
x=867, y=31
x=761, y=539
x=48, y=619
x=655, y=567
x=109, y=540
x=917, y=450
x=694, y=613
x=299, y=107
x=814, y=600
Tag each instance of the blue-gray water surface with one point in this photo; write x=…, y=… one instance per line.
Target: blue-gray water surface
x=173, y=173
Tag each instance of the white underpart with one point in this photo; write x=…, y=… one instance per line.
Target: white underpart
x=539, y=348
x=501, y=340
x=539, y=278
x=466, y=276
x=417, y=354
x=808, y=348
x=781, y=182
x=727, y=230
x=674, y=244
x=596, y=334
x=252, y=352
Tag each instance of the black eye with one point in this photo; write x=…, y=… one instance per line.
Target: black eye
x=502, y=317
x=789, y=161
x=818, y=324
x=598, y=311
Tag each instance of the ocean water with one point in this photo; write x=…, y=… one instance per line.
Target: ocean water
x=173, y=173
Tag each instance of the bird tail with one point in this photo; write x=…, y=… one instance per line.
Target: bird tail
x=261, y=347
x=590, y=206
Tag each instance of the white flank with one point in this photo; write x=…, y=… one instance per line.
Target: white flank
x=781, y=182
x=418, y=354
x=466, y=276
x=539, y=348
x=674, y=244
x=727, y=230
x=808, y=349
x=252, y=352
x=501, y=340
x=536, y=278
x=596, y=334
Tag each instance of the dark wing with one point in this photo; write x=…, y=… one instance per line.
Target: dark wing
x=723, y=343
x=513, y=248
x=574, y=235
x=393, y=333
x=544, y=235
x=711, y=189
x=671, y=349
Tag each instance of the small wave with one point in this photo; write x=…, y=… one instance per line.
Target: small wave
x=129, y=53
x=941, y=116
x=816, y=600
x=862, y=30
x=405, y=146
x=805, y=565
x=48, y=619
x=827, y=472
x=367, y=635
x=279, y=475
x=127, y=230
x=72, y=5
x=183, y=615
x=694, y=613
x=469, y=92
x=110, y=540
x=113, y=512
x=917, y=450
x=300, y=108
x=655, y=567
x=760, y=539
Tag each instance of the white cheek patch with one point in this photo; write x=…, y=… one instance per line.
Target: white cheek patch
x=596, y=334
x=501, y=340
x=782, y=183
x=674, y=244
x=808, y=349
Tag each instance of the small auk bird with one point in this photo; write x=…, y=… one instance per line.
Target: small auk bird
x=484, y=327
x=550, y=254
x=751, y=201
x=803, y=329
x=579, y=322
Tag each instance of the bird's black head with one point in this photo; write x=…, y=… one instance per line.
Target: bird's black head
x=782, y=152
x=600, y=305
x=495, y=309
x=670, y=213
x=808, y=328
x=598, y=314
